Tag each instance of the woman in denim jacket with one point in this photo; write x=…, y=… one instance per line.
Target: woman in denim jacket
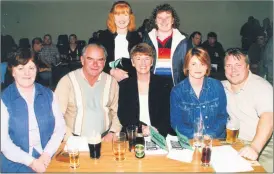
x=198, y=96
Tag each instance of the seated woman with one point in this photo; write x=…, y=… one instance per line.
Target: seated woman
x=198, y=96
x=119, y=38
x=32, y=126
x=73, y=52
x=144, y=98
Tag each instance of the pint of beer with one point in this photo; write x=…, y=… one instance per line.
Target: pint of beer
x=232, y=131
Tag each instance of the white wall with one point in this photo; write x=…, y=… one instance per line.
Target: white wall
x=36, y=18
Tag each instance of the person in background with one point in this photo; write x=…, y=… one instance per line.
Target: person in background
x=266, y=63
x=119, y=38
x=248, y=31
x=198, y=97
x=73, y=52
x=250, y=100
x=215, y=50
x=168, y=42
x=267, y=28
x=144, y=98
x=88, y=97
x=43, y=70
x=255, y=52
x=194, y=40
x=142, y=30
x=32, y=126
x=50, y=57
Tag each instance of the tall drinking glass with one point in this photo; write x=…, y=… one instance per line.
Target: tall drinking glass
x=131, y=136
x=206, y=152
x=232, y=130
x=119, y=146
x=198, y=132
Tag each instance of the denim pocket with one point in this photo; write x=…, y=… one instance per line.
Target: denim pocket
x=187, y=110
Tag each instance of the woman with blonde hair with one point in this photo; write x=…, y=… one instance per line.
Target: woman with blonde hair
x=198, y=97
x=119, y=38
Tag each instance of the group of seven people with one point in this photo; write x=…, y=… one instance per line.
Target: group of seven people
x=169, y=90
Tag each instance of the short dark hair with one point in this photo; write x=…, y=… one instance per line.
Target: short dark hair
x=36, y=40
x=74, y=35
x=47, y=35
x=194, y=33
x=162, y=8
x=212, y=34
x=20, y=57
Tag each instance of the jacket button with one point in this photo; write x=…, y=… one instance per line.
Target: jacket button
x=206, y=117
x=204, y=106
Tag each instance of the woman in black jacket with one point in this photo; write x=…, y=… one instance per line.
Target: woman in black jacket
x=145, y=97
x=119, y=38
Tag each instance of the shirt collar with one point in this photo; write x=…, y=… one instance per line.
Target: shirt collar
x=188, y=87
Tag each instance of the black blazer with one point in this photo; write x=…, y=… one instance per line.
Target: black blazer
x=107, y=39
x=159, y=103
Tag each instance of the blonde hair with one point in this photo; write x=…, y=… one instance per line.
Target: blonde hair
x=120, y=7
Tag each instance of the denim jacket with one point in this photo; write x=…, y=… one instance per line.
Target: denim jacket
x=185, y=107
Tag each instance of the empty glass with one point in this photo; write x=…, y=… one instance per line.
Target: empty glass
x=198, y=132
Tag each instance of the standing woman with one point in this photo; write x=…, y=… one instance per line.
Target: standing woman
x=144, y=98
x=32, y=126
x=120, y=37
x=198, y=96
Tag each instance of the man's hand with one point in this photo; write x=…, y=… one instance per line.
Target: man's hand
x=119, y=74
x=45, y=159
x=38, y=166
x=108, y=137
x=249, y=152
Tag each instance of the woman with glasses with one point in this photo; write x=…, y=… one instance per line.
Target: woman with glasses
x=198, y=97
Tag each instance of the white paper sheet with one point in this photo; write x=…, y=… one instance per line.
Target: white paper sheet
x=176, y=152
x=226, y=159
x=152, y=149
x=77, y=142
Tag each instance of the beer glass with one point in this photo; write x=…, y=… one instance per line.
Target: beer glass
x=74, y=161
x=131, y=136
x=232, y=130
x=206, y=152
x=198, y=132
x=119, y=146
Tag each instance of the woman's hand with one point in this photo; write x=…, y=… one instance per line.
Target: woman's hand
x=45, y=159
x=119, y=74
x=38, y=166
x=146, y=131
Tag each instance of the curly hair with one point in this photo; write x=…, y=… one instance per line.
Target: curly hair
x=163, y=8
x=120, y=7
